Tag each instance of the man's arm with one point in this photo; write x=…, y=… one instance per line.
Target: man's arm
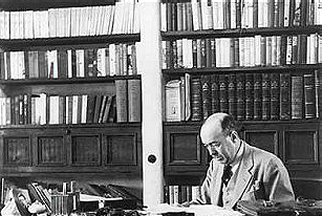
x=277, y=182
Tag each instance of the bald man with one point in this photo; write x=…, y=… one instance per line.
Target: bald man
x=237, y=170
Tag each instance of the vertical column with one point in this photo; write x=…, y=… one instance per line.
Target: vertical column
x=149, y=66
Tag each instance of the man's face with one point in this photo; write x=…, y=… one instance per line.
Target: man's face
x=219, y=145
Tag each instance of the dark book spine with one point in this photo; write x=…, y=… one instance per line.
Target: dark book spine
x=285, y=96
x=196, y=99
x=236, y=52
x=266, y=96
x=90, y=108
x=302, y=49
x=194, y=53
x=232, y=100
x=292, y=12
x=203, y=53
x=7, y=68
x=174, y=16
x=297, y=97
x=309, y=95
x=208, y=53
x=281, y=9
x=238, y=14
x=206, y=96
x=317, y=91
x=283, y=50
x=223, y=93
x=73, y=63
x=214, y=94
x=241, y=96
x=42, y=65
x=213, y=52
x=304, y=11
x=169, y=16
x=2, y=66
x=257, y=96
x=26, y=62
x=174, y=54
x=255, y=13
x=62, y=63
x=249, y=96
x=275, y=96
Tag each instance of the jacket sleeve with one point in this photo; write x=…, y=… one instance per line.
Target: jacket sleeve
x=205, y=190
x=277, y=182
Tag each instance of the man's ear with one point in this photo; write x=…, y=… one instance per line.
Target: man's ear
x=234, y=136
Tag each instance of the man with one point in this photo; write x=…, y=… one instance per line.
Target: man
x=239, y=171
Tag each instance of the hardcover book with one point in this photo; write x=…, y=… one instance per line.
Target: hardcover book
x=121, y=100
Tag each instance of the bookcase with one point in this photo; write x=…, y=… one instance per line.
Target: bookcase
x=70, y=91
x=257, y=60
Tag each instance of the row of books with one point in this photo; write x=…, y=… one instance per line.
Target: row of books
x=242, y=51
x=121, y=18
x=246, y=96
x=115, y=59
x=43, y=109
x=177, y=194
x=230, y=14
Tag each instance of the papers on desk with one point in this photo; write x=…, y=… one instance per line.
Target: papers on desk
x=91, y=198
x=198, y=210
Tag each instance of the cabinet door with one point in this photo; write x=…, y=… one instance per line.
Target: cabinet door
x=183, y=151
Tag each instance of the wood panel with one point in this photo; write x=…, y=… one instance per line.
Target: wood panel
x=301, y=147
x=122, y=150
x=267, y=140
x=51, y=151
x=17, y=151
x=184, y=149
x=86, y=150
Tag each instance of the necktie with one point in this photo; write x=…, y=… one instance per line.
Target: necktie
x=224, y=179
x=226, y=174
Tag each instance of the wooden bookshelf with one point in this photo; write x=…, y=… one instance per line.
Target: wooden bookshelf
x=296, y=141
x=70, y=150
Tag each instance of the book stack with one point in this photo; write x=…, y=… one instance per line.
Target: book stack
x=242, y=51
x=113, y=59
x=198, y=15
x=264, y=96
x=121, y=18
x=177, y=194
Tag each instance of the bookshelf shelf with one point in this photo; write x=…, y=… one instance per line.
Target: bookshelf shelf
x=246, y=123
x=72, y=126
x=45, y=43
x=45, y=4
x=200, y=71
x=42, y=81
x=228, y=33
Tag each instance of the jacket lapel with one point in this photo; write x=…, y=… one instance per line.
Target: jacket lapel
x=217, y=186
x=244, y=174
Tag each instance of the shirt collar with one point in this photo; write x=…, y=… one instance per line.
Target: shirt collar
x=238, y=157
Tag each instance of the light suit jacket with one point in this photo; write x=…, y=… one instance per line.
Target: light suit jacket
x=261, y=175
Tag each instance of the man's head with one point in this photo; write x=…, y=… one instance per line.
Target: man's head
x=219, y=136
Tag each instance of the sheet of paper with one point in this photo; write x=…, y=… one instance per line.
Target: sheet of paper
x=90, y=198
x=198, y=210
